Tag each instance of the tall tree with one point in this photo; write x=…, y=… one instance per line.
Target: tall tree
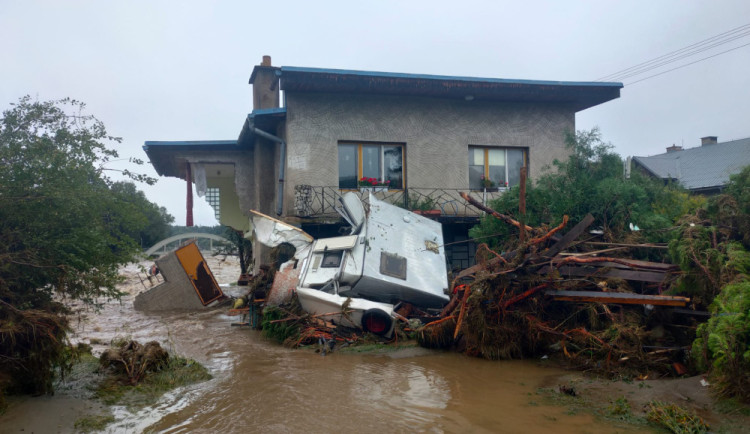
x=155, y=221
x=63, y=230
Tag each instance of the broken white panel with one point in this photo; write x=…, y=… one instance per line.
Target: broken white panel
x=352, y=210
x=199, y=176
x=336, y=243
x=272, y=232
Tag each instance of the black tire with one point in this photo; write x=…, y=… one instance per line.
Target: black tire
x=377, y=322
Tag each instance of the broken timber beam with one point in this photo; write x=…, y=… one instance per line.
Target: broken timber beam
x=633, y=263
x=648, y=245
x=618, y=297
x=569, y=237
x=494, y=213
x=637, y=275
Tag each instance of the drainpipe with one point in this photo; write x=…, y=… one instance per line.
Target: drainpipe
x=282, y=167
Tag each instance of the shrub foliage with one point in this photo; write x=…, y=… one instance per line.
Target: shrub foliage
x=592, y=181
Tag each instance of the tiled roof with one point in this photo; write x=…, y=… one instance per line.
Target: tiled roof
x=706, y=166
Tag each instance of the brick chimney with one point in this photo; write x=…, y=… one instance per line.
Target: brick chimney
x=674, y=148
x=265, y=85
x=709, y=140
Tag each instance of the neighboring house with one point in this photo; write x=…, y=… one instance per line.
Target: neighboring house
x=705, y=169
x=428, y=137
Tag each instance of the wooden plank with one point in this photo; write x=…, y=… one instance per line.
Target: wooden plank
x=240, y=311
x=650, y=246
x=633, y=263
x=701, y=313
x=569, y=237
x=618, y=297
x=637, y=275
x=594, y=253
x=638, y=264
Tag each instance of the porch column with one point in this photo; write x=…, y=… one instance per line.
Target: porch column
x=189, y=180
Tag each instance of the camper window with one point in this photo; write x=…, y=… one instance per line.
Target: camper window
x=392, y=265
x=331, y=259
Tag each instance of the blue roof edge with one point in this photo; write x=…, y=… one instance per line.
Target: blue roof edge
x=268, y=111
x=447, y=77
x=149, y=143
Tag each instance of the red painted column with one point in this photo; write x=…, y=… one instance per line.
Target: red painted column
x=189, y=179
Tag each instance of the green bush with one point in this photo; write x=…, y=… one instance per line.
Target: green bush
x=592, y=181
x=281, y=330
x=723, y=343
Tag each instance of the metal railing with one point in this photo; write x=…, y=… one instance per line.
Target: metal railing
x=321, y=201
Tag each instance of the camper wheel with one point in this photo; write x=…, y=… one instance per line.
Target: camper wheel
x=376, y=321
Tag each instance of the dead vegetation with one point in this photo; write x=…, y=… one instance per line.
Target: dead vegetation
x=133, y=361
x=136, y=373
x=32, y=343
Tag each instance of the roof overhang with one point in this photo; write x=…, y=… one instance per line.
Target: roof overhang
x=264, y=119
x=169, y=158
x=580, y=95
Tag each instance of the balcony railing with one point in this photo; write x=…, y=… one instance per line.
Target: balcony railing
x=321, y=201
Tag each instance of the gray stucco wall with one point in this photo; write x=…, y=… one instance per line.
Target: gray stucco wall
x=266, y=164
x=436, y=133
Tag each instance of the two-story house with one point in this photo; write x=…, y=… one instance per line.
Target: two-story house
x=313, y=134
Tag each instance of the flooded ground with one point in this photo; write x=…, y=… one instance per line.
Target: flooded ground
x=259, y=386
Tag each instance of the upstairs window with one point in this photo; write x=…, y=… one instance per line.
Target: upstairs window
x=495, y=167
x=383, y=162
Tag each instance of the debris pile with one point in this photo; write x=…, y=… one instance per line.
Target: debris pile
x=546, y=295
x=553, y=294
x=133, y=360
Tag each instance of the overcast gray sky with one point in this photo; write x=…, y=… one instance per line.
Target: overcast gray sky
x=178, y=70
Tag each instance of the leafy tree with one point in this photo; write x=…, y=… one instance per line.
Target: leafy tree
x=64, y=231
x=155, y=221
x=591, y=180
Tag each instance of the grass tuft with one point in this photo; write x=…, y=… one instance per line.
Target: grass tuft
x=177, y=372
x=95, y=423
x=674, y=418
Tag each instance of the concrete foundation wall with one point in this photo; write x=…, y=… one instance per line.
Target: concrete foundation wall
x=436, y=133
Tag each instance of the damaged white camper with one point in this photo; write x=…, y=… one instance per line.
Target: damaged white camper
x=391, y=255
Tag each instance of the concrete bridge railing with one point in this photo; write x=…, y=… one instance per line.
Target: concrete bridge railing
x=162, y=246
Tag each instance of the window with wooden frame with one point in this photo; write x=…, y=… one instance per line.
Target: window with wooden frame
x=495, y=167
x=381, y=161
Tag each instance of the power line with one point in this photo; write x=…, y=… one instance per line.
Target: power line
x=742, y=28
x=687, y=64
x=667, y=62
x=690, y=50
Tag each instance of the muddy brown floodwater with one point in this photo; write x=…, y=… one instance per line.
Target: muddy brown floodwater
x=260, y=386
